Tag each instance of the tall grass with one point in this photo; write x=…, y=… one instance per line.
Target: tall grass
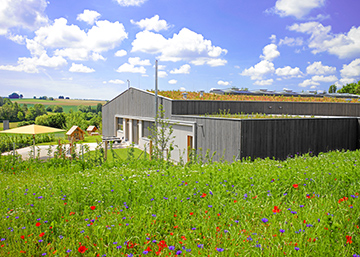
x=305, y=206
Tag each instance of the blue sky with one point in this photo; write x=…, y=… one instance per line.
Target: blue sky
x=90, y=49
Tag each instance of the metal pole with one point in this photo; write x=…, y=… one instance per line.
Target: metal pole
x=128, y=81
x=156, y=101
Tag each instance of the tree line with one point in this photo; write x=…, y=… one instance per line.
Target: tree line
x=38, y=114
x=351, y=88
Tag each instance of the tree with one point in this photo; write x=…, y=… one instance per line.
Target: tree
x=49, y=108
x=161, y=136
x=58, y=109
x=1, y=101
x=56, y=121
x=352, y=88
x=332, y=89
x=99, y=107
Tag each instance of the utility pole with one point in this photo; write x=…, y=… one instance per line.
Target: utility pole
x=128, y=81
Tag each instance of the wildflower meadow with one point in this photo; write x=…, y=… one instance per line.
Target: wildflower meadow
x=303, y=206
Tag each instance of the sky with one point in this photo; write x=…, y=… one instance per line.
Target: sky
x=96, y=49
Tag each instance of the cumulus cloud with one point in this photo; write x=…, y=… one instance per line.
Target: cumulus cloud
x=266, y=82
x=184, y=46
x=162, y=74
x=137, y=61
x=31, y=65
x=345, y=81
x=270, y=52
x=80, y=68
x=352, y=69
x=153, y=23
x=76, y=44
x=120, y=53
x=26, y=14
x=115, y=81
x=131, y=65
x=317, y=68
x=288, y=72
x=322, y=78
x=184, y=69
x=88, y=16
x=343, y=45
x=130, y=2
x=173, y=82
x=289, y=41
x=298, y=9
x=223, y=83
x=308, y=82
x=257, y=71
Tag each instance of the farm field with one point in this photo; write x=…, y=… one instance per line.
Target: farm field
x=305, y=206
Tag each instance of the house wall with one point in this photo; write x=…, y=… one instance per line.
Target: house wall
x=132, y=102
x=278, y=138
x=201, y=107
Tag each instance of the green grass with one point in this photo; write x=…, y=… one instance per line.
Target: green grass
x=305, y=206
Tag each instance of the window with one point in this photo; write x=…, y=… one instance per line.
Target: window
x=120, y=124
x=145, y=128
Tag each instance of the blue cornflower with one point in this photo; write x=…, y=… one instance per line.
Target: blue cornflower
x=178, y=252
x=282, y=230
x=171, y=247
x=200, y=245
x=219, y=249
x=297, y=248
x=264, y=220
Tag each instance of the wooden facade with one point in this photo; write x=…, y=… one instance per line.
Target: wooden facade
x=75, y=133
x=230, y=139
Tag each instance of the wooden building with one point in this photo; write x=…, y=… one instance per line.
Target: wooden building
x=92, y=131
x=335, y=126
x=75, y=134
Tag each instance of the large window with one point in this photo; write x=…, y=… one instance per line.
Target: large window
x=146, y=125
x=120, y=124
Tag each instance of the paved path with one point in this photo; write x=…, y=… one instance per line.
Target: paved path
x=43, y=150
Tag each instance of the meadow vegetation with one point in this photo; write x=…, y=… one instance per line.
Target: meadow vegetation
x=303, y=206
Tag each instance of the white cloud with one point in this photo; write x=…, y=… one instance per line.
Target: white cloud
x=80, y=68
x=345, y=81
x=116, y=81
x=137, y=61
x=289, y=41
x=88, y=16
x=322, y=78
x=120, y=53
x=259, y=70
x=223, y=83
x=273, y=39
x=308, y=82
x=270, y=52
x=161, y=67
x=30, y=65
x=18, y=39
x=343, y=45
x=288, y=72
x=267, y=82
x=152, y=24
x=184, y=69
x=76, y=44
x=298, y=9
x=184, y=46
x=173, y=82
x=317, y=68
x=28, y=14
x=162, y=74
x=130, y=2
x=352, y=69
x=126, y=67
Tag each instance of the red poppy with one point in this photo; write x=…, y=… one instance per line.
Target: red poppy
x=191, y=213
x=42, y=234
x=348, y=239
x=37, y=224
x=82, y=249
x=130, y=245
x=92, y=207
x=148, y=249
x=203, y=195
x=276, y=209
x=22, y=237
x=295, y=185
x=304, y=221
x=235, y=201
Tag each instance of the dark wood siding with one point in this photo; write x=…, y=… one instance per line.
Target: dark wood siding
x=200, y=107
